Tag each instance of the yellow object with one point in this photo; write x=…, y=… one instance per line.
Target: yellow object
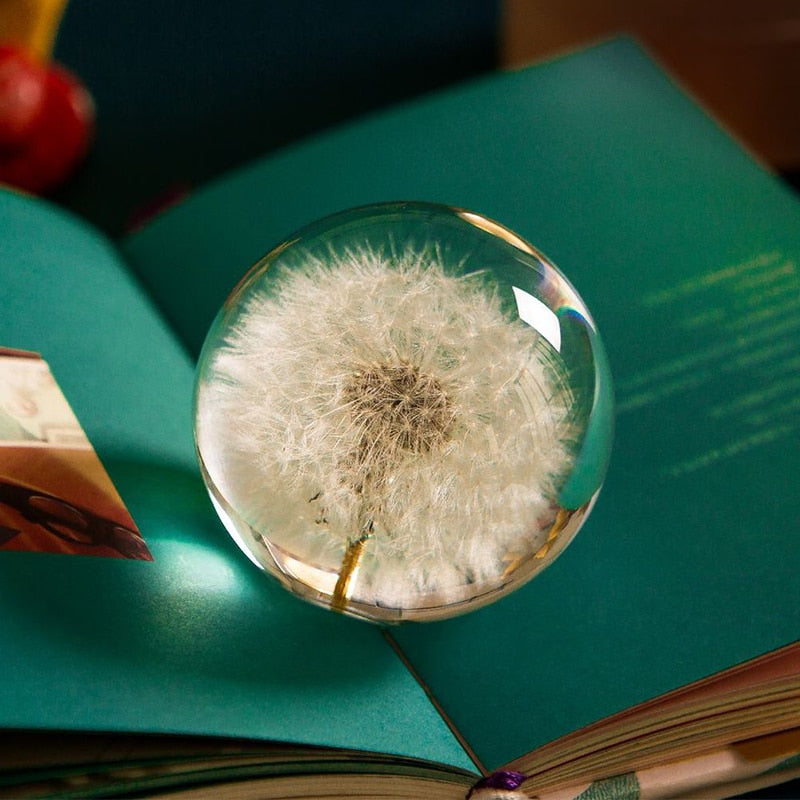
x=32, y=24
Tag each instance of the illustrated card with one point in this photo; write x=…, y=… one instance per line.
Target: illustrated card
x=55, y=494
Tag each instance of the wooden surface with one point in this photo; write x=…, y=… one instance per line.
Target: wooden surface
x=741, y=59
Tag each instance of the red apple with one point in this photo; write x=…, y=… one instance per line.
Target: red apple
x=46, y=122
x=21, y=95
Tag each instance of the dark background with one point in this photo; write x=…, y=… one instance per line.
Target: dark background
x=187, y=89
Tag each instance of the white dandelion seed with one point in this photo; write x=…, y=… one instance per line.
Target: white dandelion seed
x=374, y=400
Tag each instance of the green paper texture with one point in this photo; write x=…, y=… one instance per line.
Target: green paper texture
x=197, y=641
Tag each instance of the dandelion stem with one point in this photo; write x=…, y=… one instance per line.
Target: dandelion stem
x=350, y=563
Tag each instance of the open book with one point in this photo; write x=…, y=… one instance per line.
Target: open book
x=117, y=670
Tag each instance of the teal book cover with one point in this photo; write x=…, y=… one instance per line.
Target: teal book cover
x=685, y=251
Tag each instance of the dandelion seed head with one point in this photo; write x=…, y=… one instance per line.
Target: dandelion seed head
x=375, y=393
x=398, y=410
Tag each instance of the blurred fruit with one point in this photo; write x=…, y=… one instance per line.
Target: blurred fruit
x=21, y=95
x=46, y=122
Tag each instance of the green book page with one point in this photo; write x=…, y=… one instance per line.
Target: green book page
x=195, y=641
x=685, y=250
x=688, y=253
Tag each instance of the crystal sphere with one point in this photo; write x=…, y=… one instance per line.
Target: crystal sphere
x=403, y=412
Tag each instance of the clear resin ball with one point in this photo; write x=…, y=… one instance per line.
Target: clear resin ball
x=403, y=412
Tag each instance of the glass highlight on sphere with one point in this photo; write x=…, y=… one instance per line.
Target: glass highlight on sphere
x=403, y=412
